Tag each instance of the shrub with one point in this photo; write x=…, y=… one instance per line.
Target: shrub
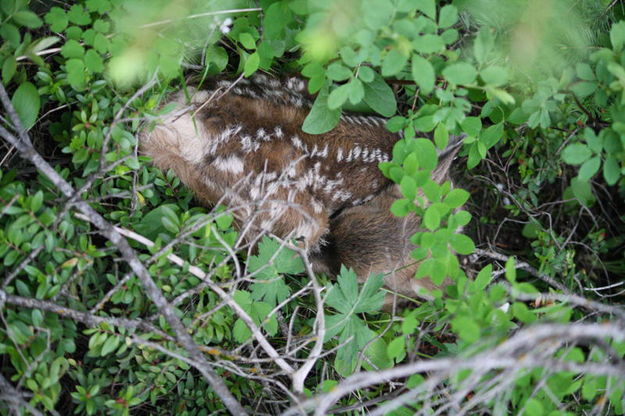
x=120, y=294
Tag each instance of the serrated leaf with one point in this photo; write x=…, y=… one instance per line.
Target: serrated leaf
x=345, y=297
x=27, y=103
x=274, y=259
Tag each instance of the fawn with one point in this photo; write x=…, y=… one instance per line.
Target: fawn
x=241, y=144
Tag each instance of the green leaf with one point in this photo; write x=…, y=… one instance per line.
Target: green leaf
x=93, y=61
x=534, y=408
x=36, y=201
x=251, y=64
x=78, y=15
x=611, y=170
x=423, y=74
x=396, y=349
x=466, y=328
x=456, y=198
x=356, y=91
x=393, y=63
x=400, y=208
x=338, y=96
x=484, y=277
x=428, y=44
x=366, y=74
x=441, y=136
x=589, y=168
x=617, y=35
x=380, y=97
x=111, y=343
x=28, y=19
x=471, y=126
x=27, y=103
x=345, y=297
x=321, y=119
x=408, y=187
x=491, y=135
x=9, y=66
x=584, y=71
x=274, y=259
x=57, y=19
x=462, y=244
x=247, y=40
x=432, y=218
x=72, y=49
x=10, y=33
x=460, y=73
x=428, y=7
x=216, y=59
x=511, y=269
x=576, y=153
x=448, y=16
x=494, y=75
x=584, y=88
x=377, y=13
x=76, y=73
x=338, y=72
x=582, y=191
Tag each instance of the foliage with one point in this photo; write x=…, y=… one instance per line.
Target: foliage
x=537, y=90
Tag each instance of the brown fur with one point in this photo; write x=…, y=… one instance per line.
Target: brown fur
x=242, y=145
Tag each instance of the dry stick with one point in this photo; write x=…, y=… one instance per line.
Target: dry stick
x=510, y=354
x=526, y=267
x=10, y=394
x=28, y=152
x=86, y=318
x=196, y=271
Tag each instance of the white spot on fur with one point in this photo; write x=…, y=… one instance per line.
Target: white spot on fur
x=231, y=164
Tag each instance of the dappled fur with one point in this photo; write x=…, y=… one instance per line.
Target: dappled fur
x=241, y=144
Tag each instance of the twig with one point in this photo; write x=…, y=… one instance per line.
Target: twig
x=527, y=267
x=28, y=152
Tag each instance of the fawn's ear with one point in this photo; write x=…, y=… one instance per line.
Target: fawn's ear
x=445, y=158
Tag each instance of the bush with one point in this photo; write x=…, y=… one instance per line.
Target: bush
x=122, y=295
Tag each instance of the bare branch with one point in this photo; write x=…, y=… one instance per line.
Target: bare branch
x=28, y=152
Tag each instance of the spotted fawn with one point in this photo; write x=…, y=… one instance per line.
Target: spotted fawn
x=240, y=143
